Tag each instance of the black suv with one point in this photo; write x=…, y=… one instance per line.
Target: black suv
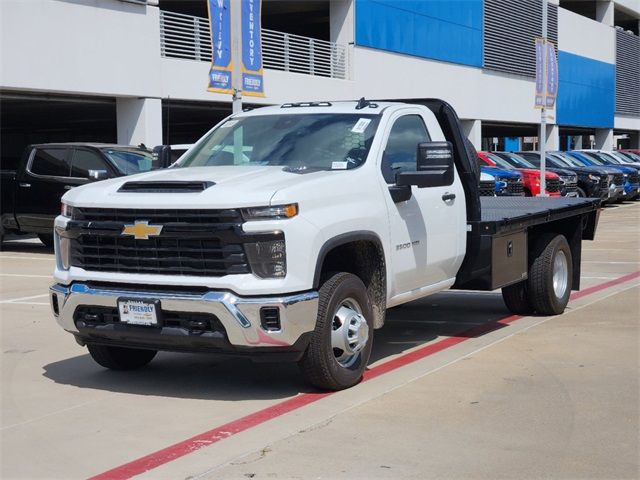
x=31, y=195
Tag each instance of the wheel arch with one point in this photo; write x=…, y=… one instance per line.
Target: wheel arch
x=360, y=253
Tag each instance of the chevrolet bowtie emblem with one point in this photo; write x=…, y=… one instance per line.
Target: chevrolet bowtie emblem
x=142, y=230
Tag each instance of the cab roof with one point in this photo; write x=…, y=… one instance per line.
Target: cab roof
x=371, y=107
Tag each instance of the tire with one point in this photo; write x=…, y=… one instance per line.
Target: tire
x=550, y=275
x=343, y=301
x=581, y=193
x=119, y=358
x=46, y=239
x=516, y=298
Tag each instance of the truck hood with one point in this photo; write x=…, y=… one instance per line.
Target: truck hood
x=233, y=187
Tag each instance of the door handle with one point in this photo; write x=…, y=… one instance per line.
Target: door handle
x=448, y=196
x=68, y=187
x=25, y=185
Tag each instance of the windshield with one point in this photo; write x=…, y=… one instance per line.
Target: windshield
x=566, y=160
x=516, y=160
x=298, y=141
x=631, y=156
x=500, y=162
x=130, y=161
x=595, y=158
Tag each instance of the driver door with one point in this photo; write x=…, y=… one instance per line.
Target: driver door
x=425, y=229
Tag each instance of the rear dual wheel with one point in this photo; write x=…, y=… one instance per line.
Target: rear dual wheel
x=547, y=290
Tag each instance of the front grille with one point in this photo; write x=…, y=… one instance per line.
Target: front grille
x=633, y=178
x=487, y=188
x=618, y=179
x=553, y=185
x=604, y=183
x=570, y=188
x=228, y=216
x=192, y=242
x=515, y=188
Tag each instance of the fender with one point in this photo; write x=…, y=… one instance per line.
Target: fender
x=343, y=239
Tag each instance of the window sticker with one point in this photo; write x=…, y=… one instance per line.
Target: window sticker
x=228, y=124
x=361, y=125
x=339, y=165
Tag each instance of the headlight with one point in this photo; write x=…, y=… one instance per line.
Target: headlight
x=625, y=175
x=66, y=210
x=594, y=178
x=267, y=259
x=277, y=212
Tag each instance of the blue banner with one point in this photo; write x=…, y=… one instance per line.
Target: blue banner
x=252, y=74
x=539, y=98
x=220, y=74
x=552, y=76
x=546, y=74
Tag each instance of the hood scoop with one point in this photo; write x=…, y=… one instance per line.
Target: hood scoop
x=165, y=187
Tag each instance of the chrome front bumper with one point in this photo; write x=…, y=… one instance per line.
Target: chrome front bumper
x=239, y=316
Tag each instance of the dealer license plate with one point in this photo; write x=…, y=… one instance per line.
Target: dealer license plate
x=139, y=312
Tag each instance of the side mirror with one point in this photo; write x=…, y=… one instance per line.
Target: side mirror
x=162, y=156
x=434, y=164
x=97, y=175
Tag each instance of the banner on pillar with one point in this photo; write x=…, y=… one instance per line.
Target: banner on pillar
x=551, y=76
x=546, y=74
x=252, y=74
x=221, y=71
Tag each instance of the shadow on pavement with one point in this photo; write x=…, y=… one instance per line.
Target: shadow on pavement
x=207, y=377
x=25, y=246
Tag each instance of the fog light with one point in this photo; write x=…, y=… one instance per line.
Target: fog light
x=270, y=318
x=267, y=259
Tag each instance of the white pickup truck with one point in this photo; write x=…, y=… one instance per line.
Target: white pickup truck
x=287, y=231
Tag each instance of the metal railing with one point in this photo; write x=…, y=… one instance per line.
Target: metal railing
x=188, y=37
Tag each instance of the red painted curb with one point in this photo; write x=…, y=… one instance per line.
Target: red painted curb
x=180, y=449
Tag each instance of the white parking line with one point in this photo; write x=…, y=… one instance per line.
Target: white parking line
x=31, y=420
x=28, y=303
x=11, y=257
x=23, y=275
x=16, y=300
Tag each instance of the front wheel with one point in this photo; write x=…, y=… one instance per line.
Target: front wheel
x=581, y=193
x=341, y=343
x=119, y=358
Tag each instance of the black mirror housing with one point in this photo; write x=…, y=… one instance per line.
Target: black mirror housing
x=435, y=166
x=161, y=156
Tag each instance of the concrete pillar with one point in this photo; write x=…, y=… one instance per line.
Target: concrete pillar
x=341, y=21
x=473, y=130
x=139, y=121
x=553, y=138
x=604, y=139
x=577, y=143
x=605, y=12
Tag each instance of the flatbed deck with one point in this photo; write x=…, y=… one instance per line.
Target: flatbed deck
x=506, y=214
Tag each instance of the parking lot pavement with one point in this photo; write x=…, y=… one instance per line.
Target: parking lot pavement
x=456, y=389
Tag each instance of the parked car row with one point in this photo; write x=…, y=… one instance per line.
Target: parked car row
x=31, y=194
x=611, y=176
